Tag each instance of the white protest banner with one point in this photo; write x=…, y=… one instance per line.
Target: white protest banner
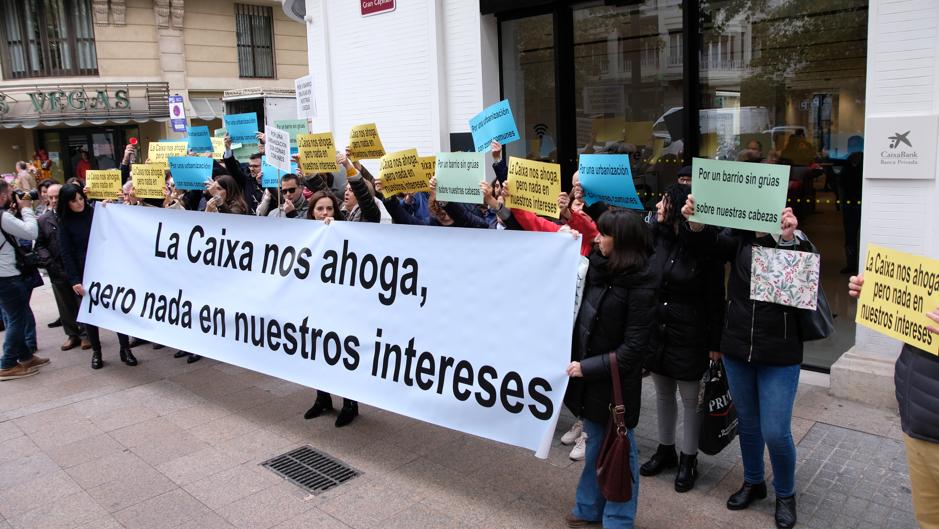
x=277, y=148
x=306, y=101
x=389, y=315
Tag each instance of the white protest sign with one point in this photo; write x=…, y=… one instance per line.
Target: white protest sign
x=277, y=148
x=388, y=315
x=306, y=101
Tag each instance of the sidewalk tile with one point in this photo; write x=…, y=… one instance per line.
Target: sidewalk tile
x=24, y=469
x=264, y=509
x=231, y=485
x=166, y=511
x=131, y=489
x=312, y=519
x=197, y=465
x=46, y=489
x=111, y=467
x=67, y=513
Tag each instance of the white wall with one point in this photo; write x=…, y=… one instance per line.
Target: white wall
x=417, y=72
x=902, y=79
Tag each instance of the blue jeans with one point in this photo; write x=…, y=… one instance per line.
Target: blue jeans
x=591, y=505
x=14, y=300
x=763, y=396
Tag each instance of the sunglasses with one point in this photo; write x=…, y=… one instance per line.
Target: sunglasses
x=290, y=190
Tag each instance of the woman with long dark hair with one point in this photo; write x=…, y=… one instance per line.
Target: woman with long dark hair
x=615, y=316
x=227, y=197
x=688, y=319
x=75, y=217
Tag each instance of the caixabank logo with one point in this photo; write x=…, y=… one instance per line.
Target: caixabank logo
x=899, y=150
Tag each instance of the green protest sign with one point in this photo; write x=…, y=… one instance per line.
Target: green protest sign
x=458, y=177
x=743, y=195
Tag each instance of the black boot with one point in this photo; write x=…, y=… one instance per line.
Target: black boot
x=687, y=472
x=349, y=411
x=786, y=512
x=746, y=495
x=96, y=362
x=324, y=402
x=664, y=457
x=128, y=357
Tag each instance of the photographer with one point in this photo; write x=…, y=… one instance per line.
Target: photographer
x=18, y=359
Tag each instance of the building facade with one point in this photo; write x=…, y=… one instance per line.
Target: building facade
x=86, y=76
x=777, y=81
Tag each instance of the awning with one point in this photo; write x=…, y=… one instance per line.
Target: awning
x=206, y=108
x=31, y=124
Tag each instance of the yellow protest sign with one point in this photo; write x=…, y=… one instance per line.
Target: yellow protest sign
x=400, y=173
x=103, y=185
x=899, y=288
x=427, y=166
x=159, y=152
x=148, y=179
x=365, y=143
x=534, y=186
x=317, y=153
x=218, y=148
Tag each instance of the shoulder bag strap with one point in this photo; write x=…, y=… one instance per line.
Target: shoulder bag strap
x=617, y=408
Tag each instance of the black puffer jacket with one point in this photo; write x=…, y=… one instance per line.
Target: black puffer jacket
x=916, y=378
x=754, y=331
x=615, y=316
x=689, y=314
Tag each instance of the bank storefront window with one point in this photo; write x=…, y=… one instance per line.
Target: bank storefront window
x=784, y=82
x=47, y=38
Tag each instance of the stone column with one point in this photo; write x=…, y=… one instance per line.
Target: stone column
x=169, y=19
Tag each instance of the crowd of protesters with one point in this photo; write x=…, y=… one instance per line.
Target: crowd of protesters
x=666, y=295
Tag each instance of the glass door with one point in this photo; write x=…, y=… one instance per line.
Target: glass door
x=528, y=82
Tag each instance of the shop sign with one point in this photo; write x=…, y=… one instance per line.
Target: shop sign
x=901, y=147
x=374, y=7
x=29, y=103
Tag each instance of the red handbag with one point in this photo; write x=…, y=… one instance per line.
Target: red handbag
x=614, y=474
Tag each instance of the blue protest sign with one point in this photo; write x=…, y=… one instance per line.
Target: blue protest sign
x=494, y=123
x=243, y=128
x=270, y=175
x=608, y=178
x=199, y=139
x=190, y=172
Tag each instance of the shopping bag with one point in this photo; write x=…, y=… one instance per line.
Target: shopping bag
x=717, y=411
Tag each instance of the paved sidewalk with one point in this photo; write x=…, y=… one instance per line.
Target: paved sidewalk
x=174, y=445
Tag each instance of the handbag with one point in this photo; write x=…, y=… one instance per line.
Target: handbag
x=815, y=324
x=614, y=474
x=716, y=410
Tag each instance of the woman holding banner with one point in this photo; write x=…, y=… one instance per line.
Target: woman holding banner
x=75, y=217
x=689, y=319
x=762, y=353
x=615, y=317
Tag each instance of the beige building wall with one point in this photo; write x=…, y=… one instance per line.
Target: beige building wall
x=200, y=56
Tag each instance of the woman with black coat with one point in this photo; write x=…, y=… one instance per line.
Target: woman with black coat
x=689, y=316
x=75, y=217
x=615, y=316
x=762, y=352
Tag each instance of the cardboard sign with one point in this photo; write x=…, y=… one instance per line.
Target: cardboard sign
x=364, y=142
x=494, y=123
x=427, y=165
x=277, y=148
x=317, y=153
x=270, y=175
x=458, y=176
x=199, y=139
x=159, y=152
x=306, y=101
x=534, y=186
x=103, y=185
x=399, y=173
x=149, y=180
x=608, y=178
x=747, y=196
x=190, y=173
x=899, y=288
x=293, y=128
x=243, y=128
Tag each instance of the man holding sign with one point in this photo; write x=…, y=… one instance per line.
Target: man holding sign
x=916, y=376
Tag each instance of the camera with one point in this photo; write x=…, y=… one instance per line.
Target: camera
x=21, y=195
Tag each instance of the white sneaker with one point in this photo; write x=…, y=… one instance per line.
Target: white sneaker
x=571, y=435
x=580, y=448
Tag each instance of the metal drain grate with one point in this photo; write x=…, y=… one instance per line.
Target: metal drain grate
x=311, y=469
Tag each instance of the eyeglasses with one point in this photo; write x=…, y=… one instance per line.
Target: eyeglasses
x=290, y=190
